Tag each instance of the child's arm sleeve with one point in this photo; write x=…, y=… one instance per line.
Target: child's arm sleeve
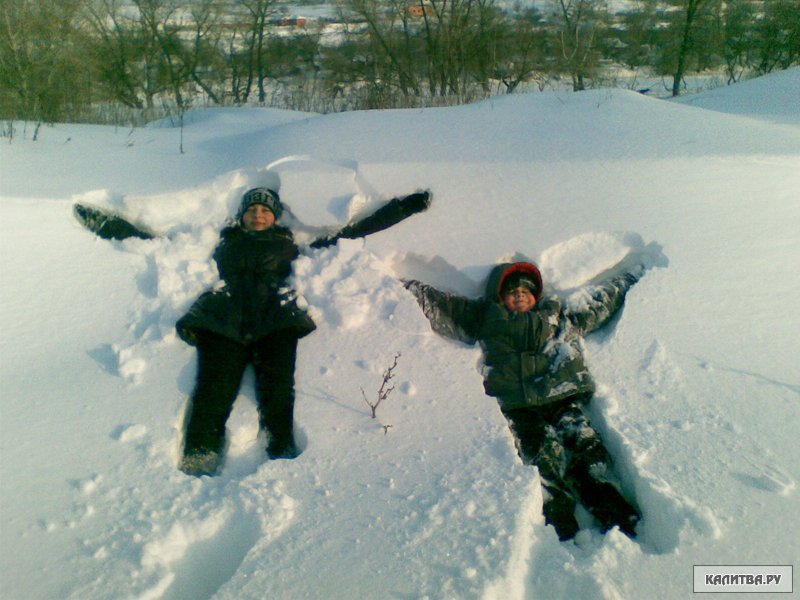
x=392, y=213
x=595, y=305
x=450, y=315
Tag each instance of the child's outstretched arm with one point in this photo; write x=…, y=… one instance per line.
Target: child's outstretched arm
x=595, y=305
x=450, y=315
x=107, y=225
x=393, y=212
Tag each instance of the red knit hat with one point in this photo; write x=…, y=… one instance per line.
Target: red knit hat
x=521, y=274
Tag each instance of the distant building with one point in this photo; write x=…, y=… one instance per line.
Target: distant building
x=289, y=21
x=418, y=9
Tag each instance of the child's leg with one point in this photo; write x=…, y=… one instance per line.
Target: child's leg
x=559, y=507
x=528, y=426
x=538, y=444
x=274, y=362
x=220, y=365
x=590, y=472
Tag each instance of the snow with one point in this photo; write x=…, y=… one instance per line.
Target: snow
x=774, y=98
x=698, y=377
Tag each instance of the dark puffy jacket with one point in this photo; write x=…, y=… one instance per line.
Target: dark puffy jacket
x=533, y=358
x=255, y=299
x=255, y=265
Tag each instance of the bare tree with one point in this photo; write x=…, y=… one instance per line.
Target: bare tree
x=259, y=12
x=580, y=24
x=203, y=56
x=639, y=34
x=432, y=47
x=689, y=13
x=459, y=44
x=521, y=54
x=40, y=52
x=393, y=44
x=136, y=50
x=737, y=31
x=116, y=52
x=166, y=72
x=777, y=36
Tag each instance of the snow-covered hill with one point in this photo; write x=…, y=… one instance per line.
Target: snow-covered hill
x=698, y=378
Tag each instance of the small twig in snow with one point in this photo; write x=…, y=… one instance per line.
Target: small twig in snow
x=384, y=391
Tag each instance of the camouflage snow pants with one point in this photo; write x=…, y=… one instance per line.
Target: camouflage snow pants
x=574, y=466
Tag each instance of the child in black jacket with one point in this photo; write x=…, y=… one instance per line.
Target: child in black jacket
x=254, y=320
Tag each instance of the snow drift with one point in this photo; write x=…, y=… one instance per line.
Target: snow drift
x=698, y=377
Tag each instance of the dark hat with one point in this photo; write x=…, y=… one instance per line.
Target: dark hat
x=263, y=196
x=519, y=279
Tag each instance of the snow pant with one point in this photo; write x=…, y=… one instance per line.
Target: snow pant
x=573, y=464
x=221, y=363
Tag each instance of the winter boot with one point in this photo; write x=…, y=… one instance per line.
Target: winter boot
x=609, y=507
x=198, y=464
x=277, y=448
x=559, y=511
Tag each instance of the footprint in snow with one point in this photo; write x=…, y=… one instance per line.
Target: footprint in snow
x=769, y=478
x=196, y=557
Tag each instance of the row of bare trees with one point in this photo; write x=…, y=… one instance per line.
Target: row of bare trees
x=742, y=37
x=460, y=48
x=142, y=49
x=62, y=60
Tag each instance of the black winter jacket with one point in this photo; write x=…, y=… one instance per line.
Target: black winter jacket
x=254, y=266
x=534, y=358
x=255, y=300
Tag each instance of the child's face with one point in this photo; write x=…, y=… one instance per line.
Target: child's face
x=520, y=299
x=258, y=218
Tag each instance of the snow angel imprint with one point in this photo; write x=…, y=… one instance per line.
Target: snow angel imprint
x=254, y=320
x=534, y=367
